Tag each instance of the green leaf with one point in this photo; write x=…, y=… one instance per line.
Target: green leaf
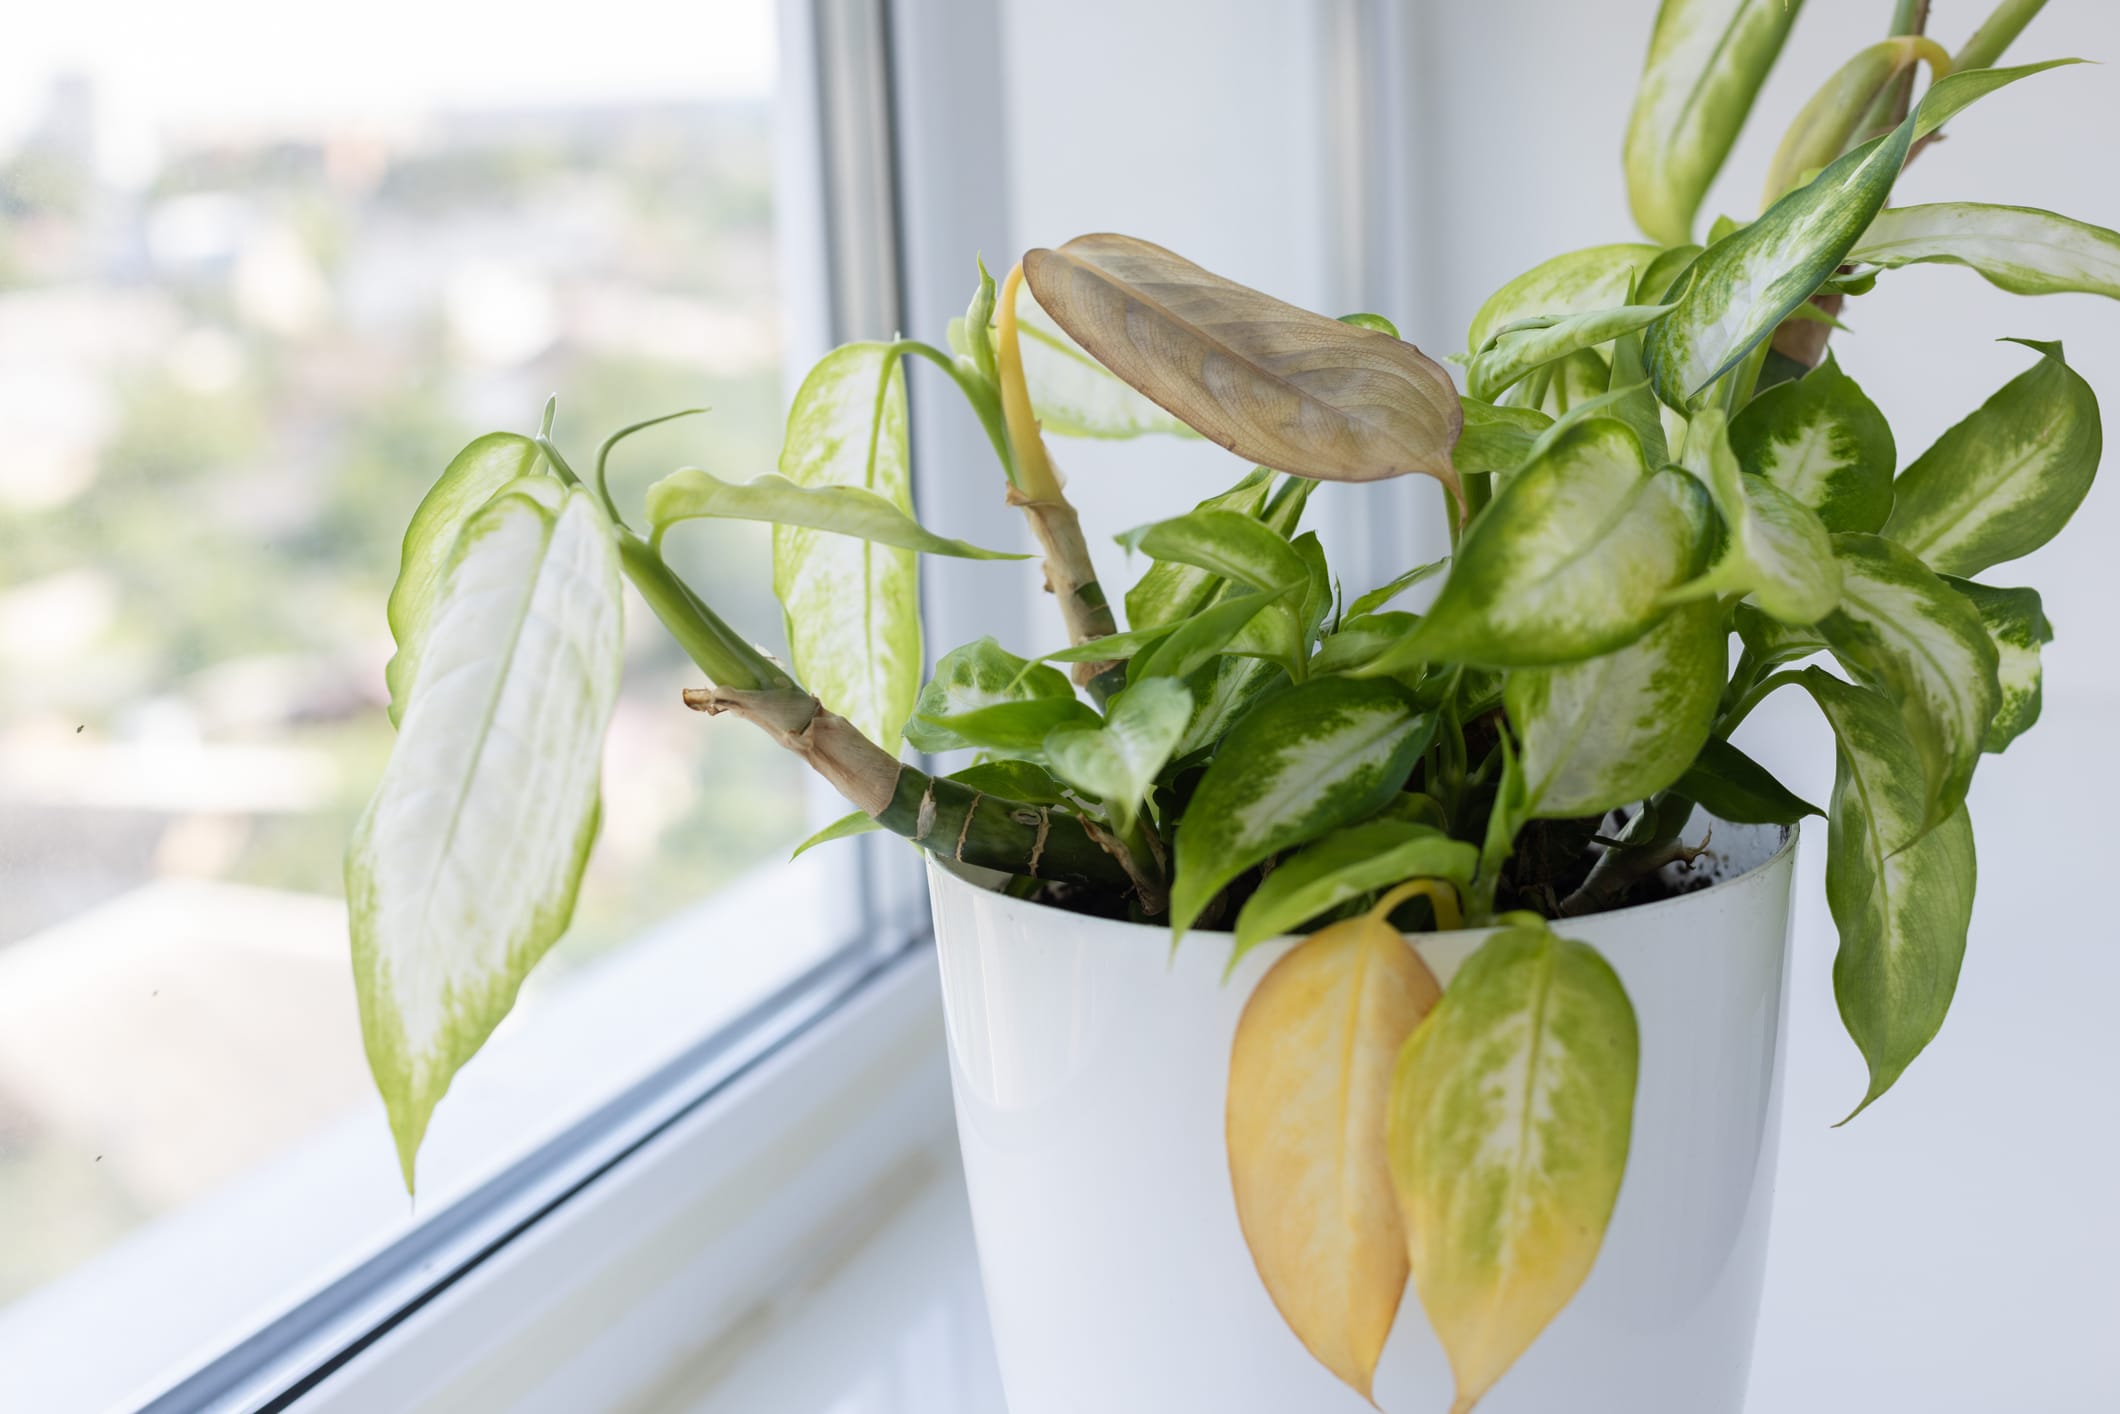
x=1496, y=439
x=1511, y=1113
x=2018, y=248
x=1012, y=780
x=1118, y=760
x=1173, y=590
x=2017, y=624
x=1360, y=640
x=852, y=607
x=1634, y=404
x=1321, y=755
x=985, y=697
x=1747, y=283
x=979, y=314
x=1948, y=97
x=860, y=822
x=1196, y=642
x=1775, y=550
x=1597, y=277
x=1773, y=642
x=1902, y=630
x=1619, y=727
x=1111, y=647
x=1516, y=350
x=1226, y=689
x=462, y=871
x=1233, y=546
x=1275, y=384
x=1345, y=865
x=1732, y=786
x=1828, y=124
x=1901, y=893
x=1707, y=59
x=471, y=479
x=1821, y=440
x=2005, y=480
x=692, y=494
x=1377, y=598
x=1571, y=559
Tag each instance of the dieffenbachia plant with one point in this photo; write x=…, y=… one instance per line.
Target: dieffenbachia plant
x=1654, y=456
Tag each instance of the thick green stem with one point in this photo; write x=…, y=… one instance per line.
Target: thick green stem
x=721, y=652
x=1995, y=34
x=953, y=821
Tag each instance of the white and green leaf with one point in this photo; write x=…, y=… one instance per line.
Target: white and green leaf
x=2005, y=480
x=1117, y=760
x=1571, y=559
x=1900, y=890
x=1903, y=631
x=469, y=481
x=1320, y=755
x=1516, y=350
x=1511, y=1114
x=852, y=607
x=462, y=870
x=1619, y=727
x=1707, y=60
x=2017, y=248
x=1827, y=125
x=1821, y=440
x=1744, y=285
x=1775, y=549
x=693, y=494
x=2017, y=623
x=1346, y=865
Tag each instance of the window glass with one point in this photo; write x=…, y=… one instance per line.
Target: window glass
x=259, y=277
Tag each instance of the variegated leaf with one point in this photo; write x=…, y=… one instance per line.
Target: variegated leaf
x=1571, y=559
x=2019, y=248
x=692, y=494
x=1309, y=1073
x=1904, y=631
x=1344, y=866
x=1620, y=727
x=986, y=698
x=1512, y=1109
x=469, y=481
x=852, y=607
x=2005, y=480
x=1827, y=125
x=1117, y=760
x=1744, y=285
x=2016, y=622
x=462, y=871
x=1775, y=549
x=1901, y=892
x=1516, y=350
x=1321, y=755
x=1274, y=384
x=1596, y=277
x=1707, y=59
x=1821, y=440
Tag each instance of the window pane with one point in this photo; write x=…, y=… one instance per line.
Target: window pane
x=255, y=288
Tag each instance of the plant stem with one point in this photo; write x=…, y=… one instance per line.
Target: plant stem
x=1070, y=574
x=1649, y=842
x=720, y=651
x=1995, y=34
x=1742, y=708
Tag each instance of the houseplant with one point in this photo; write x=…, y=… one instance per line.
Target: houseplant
x=1653, y=453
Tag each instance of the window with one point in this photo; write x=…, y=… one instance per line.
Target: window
x=252, y=296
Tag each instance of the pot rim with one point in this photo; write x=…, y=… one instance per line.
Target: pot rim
x=963, y=874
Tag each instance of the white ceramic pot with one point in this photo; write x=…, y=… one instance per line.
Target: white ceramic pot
x=1091, y=1070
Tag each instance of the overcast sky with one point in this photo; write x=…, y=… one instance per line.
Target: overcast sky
x=194, y=62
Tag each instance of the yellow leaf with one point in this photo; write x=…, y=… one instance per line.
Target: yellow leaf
x=1309, y=1074
x=1510, y=1115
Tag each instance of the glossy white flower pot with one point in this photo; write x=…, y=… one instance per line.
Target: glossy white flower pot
x=1091, y=1071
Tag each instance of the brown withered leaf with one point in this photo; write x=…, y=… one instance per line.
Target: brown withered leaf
x=1309, y=1078
x=1275, y=384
